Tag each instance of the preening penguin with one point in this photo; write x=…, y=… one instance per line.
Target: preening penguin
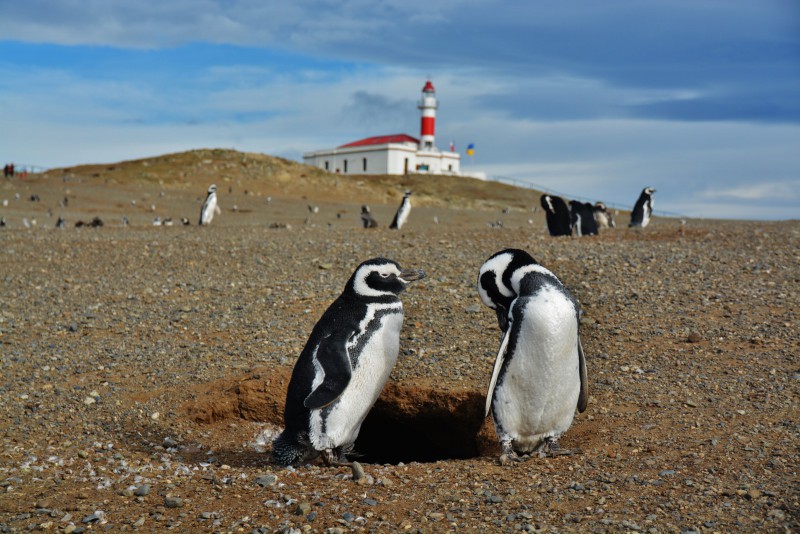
x=557, y=214
x=209, y=206
x=603, y=217
x=344, y=365
x=367, y=220
x=401, y=216
x=494, y=281
x=640, y=216
x=582, y=218
x=539, y=376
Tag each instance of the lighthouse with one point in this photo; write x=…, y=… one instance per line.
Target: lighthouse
x=398, y=154
x=428, y=124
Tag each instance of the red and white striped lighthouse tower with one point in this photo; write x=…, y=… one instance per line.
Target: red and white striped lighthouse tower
x=428, y=106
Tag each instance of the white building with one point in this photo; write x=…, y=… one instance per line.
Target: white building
x=392, y=154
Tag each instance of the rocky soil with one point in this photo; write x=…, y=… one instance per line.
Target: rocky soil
x=144, y=370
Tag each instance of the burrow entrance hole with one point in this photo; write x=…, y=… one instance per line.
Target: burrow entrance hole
x=406, y=424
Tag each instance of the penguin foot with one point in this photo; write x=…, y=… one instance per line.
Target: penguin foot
x=334, y=457
x=550, y=448
x=509, y=459
x=508, y=456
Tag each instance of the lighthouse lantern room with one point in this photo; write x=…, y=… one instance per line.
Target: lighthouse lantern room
x=394, y=153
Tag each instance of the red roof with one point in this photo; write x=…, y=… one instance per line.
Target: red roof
x=428, y=88
x=382, y=140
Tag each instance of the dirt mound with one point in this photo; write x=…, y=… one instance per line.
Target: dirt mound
x=407, y=423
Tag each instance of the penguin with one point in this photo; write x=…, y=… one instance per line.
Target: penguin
x=345, y=363
x=60, y=223
x=557, y=214
x=367, y=220
x=494, y=281
x=209, y=206
x=401, y=216
x=640, y=216
x=582, y=218
x=539, y=376
x=602, y=216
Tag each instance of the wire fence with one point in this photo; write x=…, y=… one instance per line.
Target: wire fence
x=610, y=204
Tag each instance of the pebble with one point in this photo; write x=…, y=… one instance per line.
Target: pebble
x=173, y=502
x=266, y=480
x=358, y=471
x=142, y=490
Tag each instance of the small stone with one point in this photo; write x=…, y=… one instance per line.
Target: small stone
x=754, y=494
x=173, y=502
x=88, y=401
x=139, y=522
x=666, y=472
x=347, y=516
x=475, y=308
x=207, y=515
x=358, y=471
x=142, y=490
x=303, y=508
x=370, y=502
x=266, y=480
x=93, y=517
x=44, y=504
x=694, y=337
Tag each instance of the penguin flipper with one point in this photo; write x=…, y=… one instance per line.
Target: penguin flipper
x=332, y=356
x=498, y=364
x=583, y=397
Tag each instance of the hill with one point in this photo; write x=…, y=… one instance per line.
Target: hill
x=264, y=175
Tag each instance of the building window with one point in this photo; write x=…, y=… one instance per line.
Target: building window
x=365, y=164
x=344, y=164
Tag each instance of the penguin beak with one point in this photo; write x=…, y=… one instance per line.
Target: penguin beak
x=410, y=275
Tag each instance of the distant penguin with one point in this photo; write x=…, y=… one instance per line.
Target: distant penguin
x=209, y=206
x=582, y=218
x=401, y=216
x=60, y=223
x=557, y=215
x=539, y=376
x=640, y=216
x=602, y=216
x=2, y=222
x=125, y=220
x=344, y=365
x=367, y=220
x=185, y=221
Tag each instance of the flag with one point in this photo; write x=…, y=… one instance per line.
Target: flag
x=471, y=149
x=452, y=146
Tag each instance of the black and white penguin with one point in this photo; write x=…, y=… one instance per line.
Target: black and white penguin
x=209, y=206
x=582, y=218
x=640, y=216
x=603, y=217
x=401, y=216
x=494, y=281
x=557, y=214
x=367, y=220
x=539, y=376
x=344, y=365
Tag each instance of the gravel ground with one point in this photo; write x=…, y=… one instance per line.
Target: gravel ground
x=144, y=370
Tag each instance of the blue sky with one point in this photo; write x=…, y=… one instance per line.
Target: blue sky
x=697, y=98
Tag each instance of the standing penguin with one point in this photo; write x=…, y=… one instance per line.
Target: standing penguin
x=367, y=219
x=539, y=376
x=344, y=365
x=602, y=216
x=401, y=216
x=557, y=214
x=582, y=218
x=640, y=216
x=209, y=206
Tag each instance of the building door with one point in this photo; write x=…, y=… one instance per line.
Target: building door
x=405, y=167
